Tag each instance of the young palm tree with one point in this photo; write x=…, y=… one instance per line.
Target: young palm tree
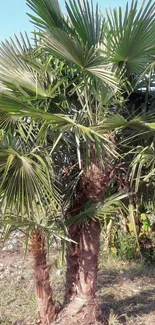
x=95, y=50
x=31, y=88
x=28, y=192
x=73, y=117
x=35, y=139
x=27, y=201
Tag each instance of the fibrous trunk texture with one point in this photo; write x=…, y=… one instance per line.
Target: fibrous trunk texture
x=83, y=261
x=82, y=258
x=46, y=308
x=82, y=267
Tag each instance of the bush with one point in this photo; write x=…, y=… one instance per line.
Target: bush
x=126, y=246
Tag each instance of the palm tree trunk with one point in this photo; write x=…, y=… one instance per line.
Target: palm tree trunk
x=82, y=269
x=88, y=259
x=82, y=258
x=46, y=308
x=72, y=263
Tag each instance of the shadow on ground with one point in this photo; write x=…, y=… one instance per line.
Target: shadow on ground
x=129, y=291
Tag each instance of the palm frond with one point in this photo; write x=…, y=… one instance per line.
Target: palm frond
x=99, y=211
x=87, y=21
x=25, y=77
x=130, y=36
x=49, y=12
x=142, y=166
x=80, y=47
x=29, y=174
x=16, y=107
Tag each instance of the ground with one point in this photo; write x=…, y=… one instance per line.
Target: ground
x=126, y=290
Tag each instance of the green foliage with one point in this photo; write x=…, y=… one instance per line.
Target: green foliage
x=130, y=37
x=76, y=39
x=126, y=246
x=145, y=223
x=56, y=100
x=57, y=127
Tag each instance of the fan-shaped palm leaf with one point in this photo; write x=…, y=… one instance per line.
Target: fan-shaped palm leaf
x=21, y=72
x=30, y=176
x=49, y=11
x=76, y=39
x=99, y=211
x=131, y=36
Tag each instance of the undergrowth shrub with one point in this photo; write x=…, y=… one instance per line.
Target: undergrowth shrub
x=126, y=246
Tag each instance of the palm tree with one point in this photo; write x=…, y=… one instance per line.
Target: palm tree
x=25, y=194
x=32, y=200
x=31, y=141
x=29, y=197
x=71, y=109
x=96, y=48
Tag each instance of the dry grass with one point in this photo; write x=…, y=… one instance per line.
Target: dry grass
x=17, y=299
x=113, y=319
x=126, y=291
x=17, y=302
x=129, y=290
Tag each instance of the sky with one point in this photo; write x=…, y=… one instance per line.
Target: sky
x=13, y=18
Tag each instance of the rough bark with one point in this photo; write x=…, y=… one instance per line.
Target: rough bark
x=88, y=259
x=90, y=188
x=82, y=258
x=46, y=308
x=72, y=263
x=83, y=266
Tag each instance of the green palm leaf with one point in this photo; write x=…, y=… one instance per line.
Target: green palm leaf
x=76, y=38
x=131, y=37
x=99, y=211
x=29, y=174
x=22, y=72
x=48, y=10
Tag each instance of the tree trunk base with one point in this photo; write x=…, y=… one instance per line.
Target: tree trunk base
x=46, y=307
x=81, y=312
